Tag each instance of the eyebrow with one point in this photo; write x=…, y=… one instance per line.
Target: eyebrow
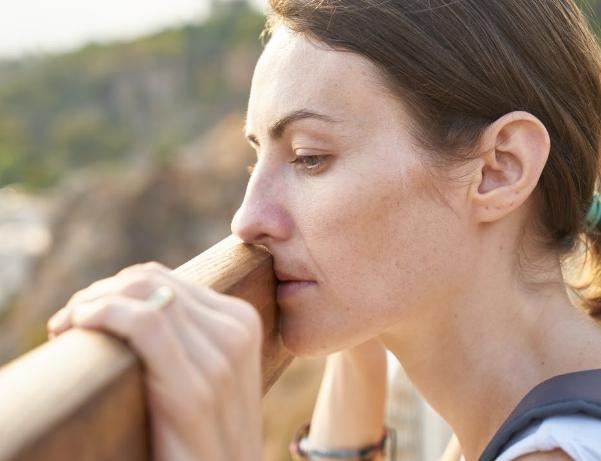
x=277, y=129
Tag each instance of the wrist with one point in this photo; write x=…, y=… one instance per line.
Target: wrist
x=302, y=448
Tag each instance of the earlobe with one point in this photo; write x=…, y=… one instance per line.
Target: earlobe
x=516, y=148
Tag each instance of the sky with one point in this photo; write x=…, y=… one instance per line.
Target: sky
x=37, y=26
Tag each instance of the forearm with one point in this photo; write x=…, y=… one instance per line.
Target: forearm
x=453, y=450
x=350, y=408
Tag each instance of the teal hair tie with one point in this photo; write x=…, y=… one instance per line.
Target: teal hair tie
x=594, y=213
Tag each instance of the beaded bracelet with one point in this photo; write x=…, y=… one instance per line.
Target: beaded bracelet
x=300, y=452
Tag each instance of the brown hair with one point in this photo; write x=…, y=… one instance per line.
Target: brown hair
x=461, y=64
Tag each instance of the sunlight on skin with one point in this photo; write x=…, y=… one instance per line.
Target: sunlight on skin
x=344, y=199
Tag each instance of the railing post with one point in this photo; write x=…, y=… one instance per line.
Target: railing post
x=81, y=396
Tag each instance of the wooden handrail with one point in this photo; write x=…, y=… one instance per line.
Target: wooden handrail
x=81, y=396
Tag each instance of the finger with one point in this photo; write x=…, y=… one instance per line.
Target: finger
x=138, y=287
x=146, y=330
x=235, y=311
x=232, y=305
x=131, y=285
x=214, y=368
x=223, y=349
x=130, y=281
x=213, y=341
x=233, y=308
x=135, y=281
x=211, y=358
x=139, y=281
x=165, y=351
x=58, y=323
x=224, y=359
x=219, y=326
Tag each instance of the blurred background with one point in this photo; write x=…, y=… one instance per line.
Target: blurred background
x=121, y=142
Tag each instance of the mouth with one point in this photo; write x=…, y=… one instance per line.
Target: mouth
x=287, y=288
x=285, y=277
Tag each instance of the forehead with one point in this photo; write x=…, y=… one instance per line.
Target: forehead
x=294, y=73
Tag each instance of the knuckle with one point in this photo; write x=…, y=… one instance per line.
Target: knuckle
x=104, y=303
x=76, y=297
x=147, y=322
x=136, y=284
x=221, y=371
x=84, y=292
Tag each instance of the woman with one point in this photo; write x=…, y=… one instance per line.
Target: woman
x=424, y=168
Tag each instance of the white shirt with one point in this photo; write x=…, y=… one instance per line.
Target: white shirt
x=578, y=435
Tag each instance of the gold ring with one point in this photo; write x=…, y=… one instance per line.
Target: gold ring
x=161, y=297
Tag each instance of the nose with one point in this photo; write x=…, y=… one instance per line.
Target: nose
x=262, y=217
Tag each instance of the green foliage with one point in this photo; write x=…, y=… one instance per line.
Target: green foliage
x=103, y=103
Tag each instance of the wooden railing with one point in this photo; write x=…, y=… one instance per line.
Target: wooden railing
x=81, y=396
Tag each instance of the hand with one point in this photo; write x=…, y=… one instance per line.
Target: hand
x=202, y=355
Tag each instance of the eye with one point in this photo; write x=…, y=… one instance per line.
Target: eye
x=310, y=163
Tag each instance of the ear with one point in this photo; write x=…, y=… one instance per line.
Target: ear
x=516, y=148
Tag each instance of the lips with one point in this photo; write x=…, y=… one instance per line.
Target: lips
x=290, y=283
x=286, y=289
x=287, y=277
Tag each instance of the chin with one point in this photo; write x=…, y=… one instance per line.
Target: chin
x=303, y=341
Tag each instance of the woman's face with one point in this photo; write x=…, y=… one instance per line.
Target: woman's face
x=362, y=216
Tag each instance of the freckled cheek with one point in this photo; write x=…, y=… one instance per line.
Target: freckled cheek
x=351, y=234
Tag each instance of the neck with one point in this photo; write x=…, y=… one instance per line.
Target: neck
x=475, y=356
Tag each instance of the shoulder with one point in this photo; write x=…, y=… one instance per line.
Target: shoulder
x=553, y=455
x=556, y=438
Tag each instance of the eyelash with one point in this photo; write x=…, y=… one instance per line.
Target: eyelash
x=299, y=160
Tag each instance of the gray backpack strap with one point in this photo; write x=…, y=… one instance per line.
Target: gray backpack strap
x=578, y=392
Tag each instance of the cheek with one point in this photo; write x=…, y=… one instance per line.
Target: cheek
x=381, y=244
x=368, y=228
x=377, y=245
x=362, y=256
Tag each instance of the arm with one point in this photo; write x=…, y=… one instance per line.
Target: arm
x=453, y=450
x=351, y=404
